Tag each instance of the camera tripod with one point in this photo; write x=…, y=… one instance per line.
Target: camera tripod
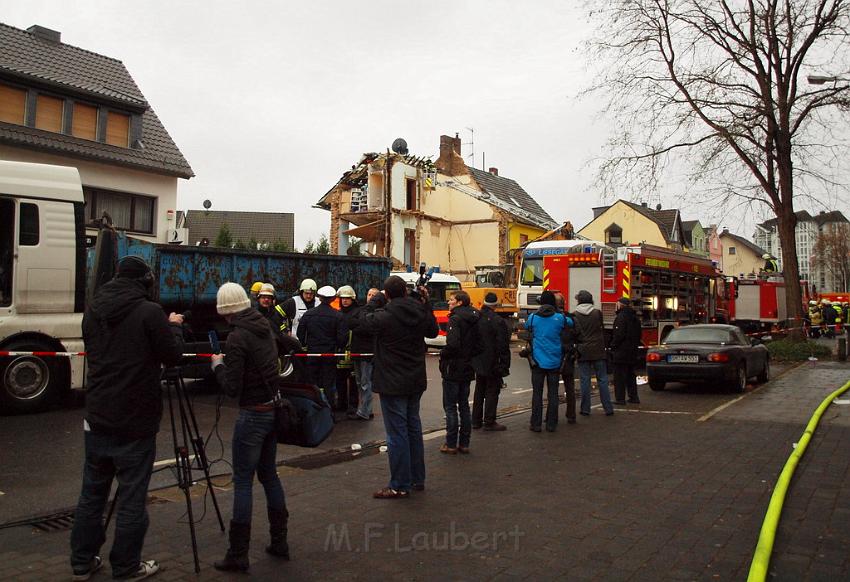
x=189, y=435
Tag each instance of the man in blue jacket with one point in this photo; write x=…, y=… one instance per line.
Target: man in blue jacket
x=546, y=330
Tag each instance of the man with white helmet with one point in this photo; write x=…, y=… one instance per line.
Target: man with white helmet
x=346, y=384
x=271, y=311
x=297, y=305
x=323, y=330
x=770, y=264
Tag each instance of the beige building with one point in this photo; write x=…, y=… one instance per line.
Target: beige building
x=442, y=213
x=67, y=106
x=739, y=256
x=627, y=223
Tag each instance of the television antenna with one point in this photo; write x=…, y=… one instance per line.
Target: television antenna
x=471, y=144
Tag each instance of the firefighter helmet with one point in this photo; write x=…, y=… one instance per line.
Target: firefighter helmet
x=308, y=285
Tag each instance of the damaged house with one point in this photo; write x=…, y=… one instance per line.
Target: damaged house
x=443, y=213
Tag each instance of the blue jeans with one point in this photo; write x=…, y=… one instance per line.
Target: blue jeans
x=599, y=367
x=552, y=378
x=363, y=373
x=456, y=403
x=254, y=449
x=130, y=461
x=405, y=449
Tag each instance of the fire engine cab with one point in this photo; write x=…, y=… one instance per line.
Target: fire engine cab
x=667, y=288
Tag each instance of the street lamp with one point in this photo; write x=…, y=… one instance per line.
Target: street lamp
x=820, y=80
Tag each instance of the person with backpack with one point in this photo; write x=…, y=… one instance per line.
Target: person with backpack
x=462, y=344
x=545, y=328
x=624, y=349
x=490, y=365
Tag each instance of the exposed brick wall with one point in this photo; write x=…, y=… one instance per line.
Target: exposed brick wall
x=450, y=161
x=334, y=234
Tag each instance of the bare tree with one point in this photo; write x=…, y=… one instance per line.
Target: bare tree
x=831, y=255
x=716, y=86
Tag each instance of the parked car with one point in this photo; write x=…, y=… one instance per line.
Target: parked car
x=708, y=353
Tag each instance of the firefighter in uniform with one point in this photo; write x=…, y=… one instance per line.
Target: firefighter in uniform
x=770, y=264
x=297, y=305
x=273, y=312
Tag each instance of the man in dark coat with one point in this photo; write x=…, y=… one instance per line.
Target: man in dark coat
x=399, y=377
x=590, y=344
x=624, y=349
x=127, y=338
x=462, y=343
x=491, y=364
x=322, y=330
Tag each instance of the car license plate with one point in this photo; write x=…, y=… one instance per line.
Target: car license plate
x=682, y=359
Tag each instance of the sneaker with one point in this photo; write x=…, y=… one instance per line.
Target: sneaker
x=495, y=427
x=146, y=569
x=95, y=565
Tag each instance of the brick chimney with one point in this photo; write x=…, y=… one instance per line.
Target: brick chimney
x=450, y=161
x=494, y=171
x=42, y=33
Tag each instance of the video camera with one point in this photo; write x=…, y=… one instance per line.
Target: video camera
x=422, y=281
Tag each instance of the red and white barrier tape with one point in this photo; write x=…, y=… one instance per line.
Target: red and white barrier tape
x=198, y=355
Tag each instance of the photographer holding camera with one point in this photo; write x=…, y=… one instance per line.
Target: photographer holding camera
x=249, y=371
x=127, y=338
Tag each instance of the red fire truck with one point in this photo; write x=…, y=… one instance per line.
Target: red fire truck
x=667, y=288
x=757, y=301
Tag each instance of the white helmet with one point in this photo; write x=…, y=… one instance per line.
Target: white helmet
x=326, y=292
x=266, y=289
x=308, y=285
x=765, y=256
x=346, y=291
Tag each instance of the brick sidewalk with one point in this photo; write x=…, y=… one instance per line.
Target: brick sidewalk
x=631, y=497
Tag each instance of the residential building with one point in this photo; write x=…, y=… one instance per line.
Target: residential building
x=269, y=229
x=806, y=234
x=739, y=256
x=625, y=223
x=443, y=213
x=715, y=246
x=67, y=106
x=696, y=237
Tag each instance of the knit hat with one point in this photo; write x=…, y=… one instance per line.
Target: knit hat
x=232, y=299
x=491, y=299
x=547, y=298
x=132, y=267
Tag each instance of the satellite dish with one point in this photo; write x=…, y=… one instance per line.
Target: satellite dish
x=400, y=146
x=207, y=204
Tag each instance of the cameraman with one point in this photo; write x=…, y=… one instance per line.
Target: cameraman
x=250, y=372
x=127, y=338
x=399, y=377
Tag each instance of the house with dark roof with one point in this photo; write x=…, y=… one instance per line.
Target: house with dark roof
x=445, y=213
x=739, y=255
x=272, y=230
x=624, y=223
x=696, y=237
x=67, y=106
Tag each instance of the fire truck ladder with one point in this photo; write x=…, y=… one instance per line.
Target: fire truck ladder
x=609, y=271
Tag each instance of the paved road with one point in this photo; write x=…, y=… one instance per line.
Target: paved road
x=42, y=453
x=642, y=495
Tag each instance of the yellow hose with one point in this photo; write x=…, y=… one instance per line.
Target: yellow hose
x=761, y=557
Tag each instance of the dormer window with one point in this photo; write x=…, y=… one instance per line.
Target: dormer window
x=51, y=112
x=614, y=235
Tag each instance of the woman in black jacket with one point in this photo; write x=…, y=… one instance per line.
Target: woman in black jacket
x=249, y=371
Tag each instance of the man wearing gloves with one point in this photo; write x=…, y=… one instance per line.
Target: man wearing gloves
x=249, y=372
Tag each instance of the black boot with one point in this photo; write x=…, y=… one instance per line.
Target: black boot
x=236, y=559
x=278, y=520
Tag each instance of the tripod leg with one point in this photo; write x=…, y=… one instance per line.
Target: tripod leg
x=198, y=446
x=186, y=473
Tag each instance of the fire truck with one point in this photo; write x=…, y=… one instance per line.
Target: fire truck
x=756, y=302
x=667, y=288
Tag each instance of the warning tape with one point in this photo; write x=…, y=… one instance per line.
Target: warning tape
x=196, y=355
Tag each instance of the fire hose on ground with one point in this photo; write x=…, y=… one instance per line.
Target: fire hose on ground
x=764, y=548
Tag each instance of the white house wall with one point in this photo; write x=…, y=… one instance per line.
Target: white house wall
x=161, y=187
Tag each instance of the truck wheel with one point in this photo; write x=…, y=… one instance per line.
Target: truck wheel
x=656, y=385
x=30, y=383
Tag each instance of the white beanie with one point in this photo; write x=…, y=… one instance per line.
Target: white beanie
x=232, y=299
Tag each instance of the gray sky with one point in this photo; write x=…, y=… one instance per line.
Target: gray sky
x=272, y=101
